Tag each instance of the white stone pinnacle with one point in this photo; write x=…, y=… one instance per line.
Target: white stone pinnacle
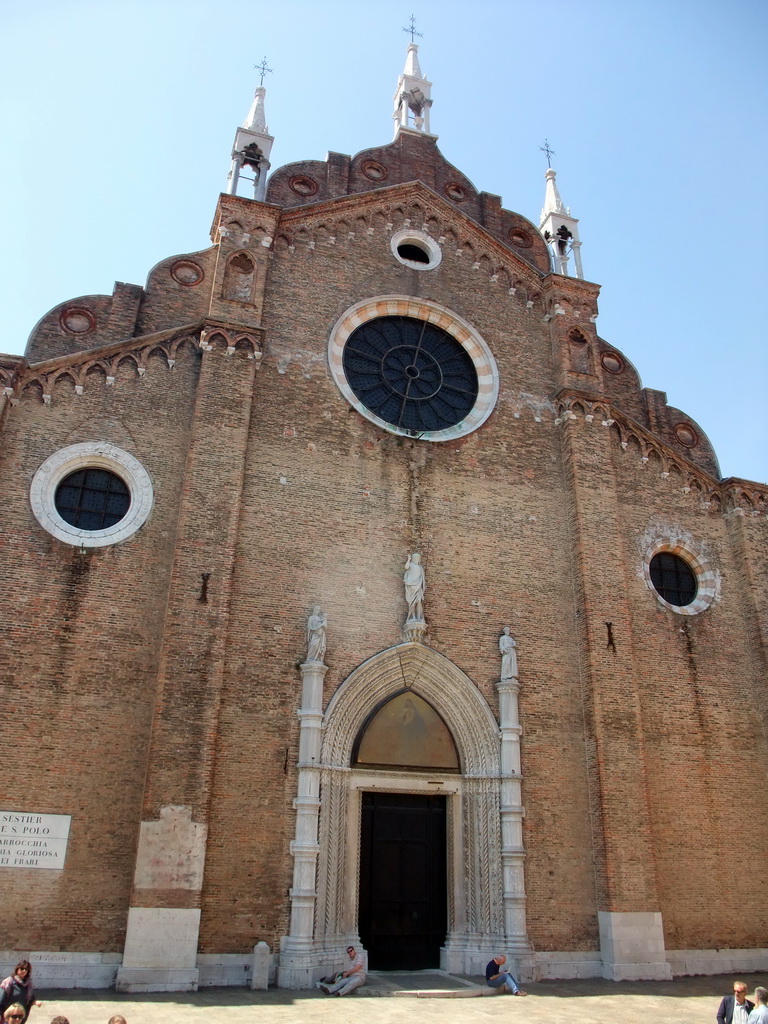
x=412, y=99
x=412, y=62
x=255, y=120
x=560, y=229
x=252, y=148
x=552, y=201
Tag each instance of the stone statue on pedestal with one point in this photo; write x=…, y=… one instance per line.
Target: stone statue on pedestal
x=316, y=627
x=415, y=585
x=507, y=647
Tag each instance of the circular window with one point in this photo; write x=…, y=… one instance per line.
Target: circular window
x=303, y=185
x=411, y=373
x=416, y=250
x=520, y=238
x=680, y=579
x=91, y=495
x=686, y=435
x=415, y=253
x=612, y=362
x=374, y=170
x=455, y=192
x=673, y=579
x=77, y=320
x=413, y=368
x=92, y=499
x=186, y=272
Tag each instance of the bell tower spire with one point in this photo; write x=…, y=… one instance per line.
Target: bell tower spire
x=253, y=143
x=412, y=96
x=559, y=228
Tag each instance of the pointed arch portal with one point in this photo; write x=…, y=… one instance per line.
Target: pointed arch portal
x=484, y=888
x=429, y=675
x=405, y=732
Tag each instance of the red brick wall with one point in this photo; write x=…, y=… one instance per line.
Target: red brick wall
x=633, y=759
x=703, y=693
x=486, y=511
x=79, y=659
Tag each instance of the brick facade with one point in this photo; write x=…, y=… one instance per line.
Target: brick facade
x=153, y=685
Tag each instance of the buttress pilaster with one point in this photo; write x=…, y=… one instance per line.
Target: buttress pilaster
x=164, y=916
x=630, y=926
x=244, y=231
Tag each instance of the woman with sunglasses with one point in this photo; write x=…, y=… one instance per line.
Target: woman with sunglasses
x=15, y=1014
x=17, y=988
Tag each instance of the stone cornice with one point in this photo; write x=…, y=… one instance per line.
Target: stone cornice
x=391, y=195
x=18, y=376
x=11, y=363
x=718, y=495
x=249, y=210
x=570, y=285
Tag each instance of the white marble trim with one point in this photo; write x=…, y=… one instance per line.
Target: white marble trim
x=421, y=309
x=88, y=455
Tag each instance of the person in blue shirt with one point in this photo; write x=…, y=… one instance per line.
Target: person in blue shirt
x=759, y=1015
x=497, y=977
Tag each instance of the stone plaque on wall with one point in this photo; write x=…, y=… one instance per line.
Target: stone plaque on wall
x=29, y=840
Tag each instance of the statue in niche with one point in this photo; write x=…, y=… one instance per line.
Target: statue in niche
x=415, y=585
x=317, y=624
x=507, y=646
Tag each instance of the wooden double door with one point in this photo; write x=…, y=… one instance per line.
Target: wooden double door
x=403, y=880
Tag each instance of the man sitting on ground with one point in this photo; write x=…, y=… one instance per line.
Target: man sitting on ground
x=498, y=978
x=351, y=978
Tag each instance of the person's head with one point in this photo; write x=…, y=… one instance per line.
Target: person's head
x=60, y=1020
x=117, y=1019
x=15, y=1013
x=500, y=959
x=740, y=991
x=351, y=950
x=761, y=995
x=23, y=969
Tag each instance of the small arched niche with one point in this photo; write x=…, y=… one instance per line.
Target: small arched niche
x=579, y=353
x=405, y=732
x=239, y=278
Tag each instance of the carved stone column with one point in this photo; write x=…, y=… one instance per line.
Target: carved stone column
x=512, y=851
x=297, y=954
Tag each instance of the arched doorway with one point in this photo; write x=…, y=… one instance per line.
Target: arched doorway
x=484, y=889
x=403, y=878
x=484, y=882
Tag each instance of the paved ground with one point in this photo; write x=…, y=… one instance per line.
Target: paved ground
x=684, y=1001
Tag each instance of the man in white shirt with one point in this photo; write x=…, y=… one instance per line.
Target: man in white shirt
x=353, y=977
x=735, y=1009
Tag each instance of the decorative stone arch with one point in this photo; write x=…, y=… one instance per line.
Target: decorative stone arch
x=441, y=683
x=183, y=341
x=486, y=896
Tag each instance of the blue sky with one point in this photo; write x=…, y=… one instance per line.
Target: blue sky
x=119, y=117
